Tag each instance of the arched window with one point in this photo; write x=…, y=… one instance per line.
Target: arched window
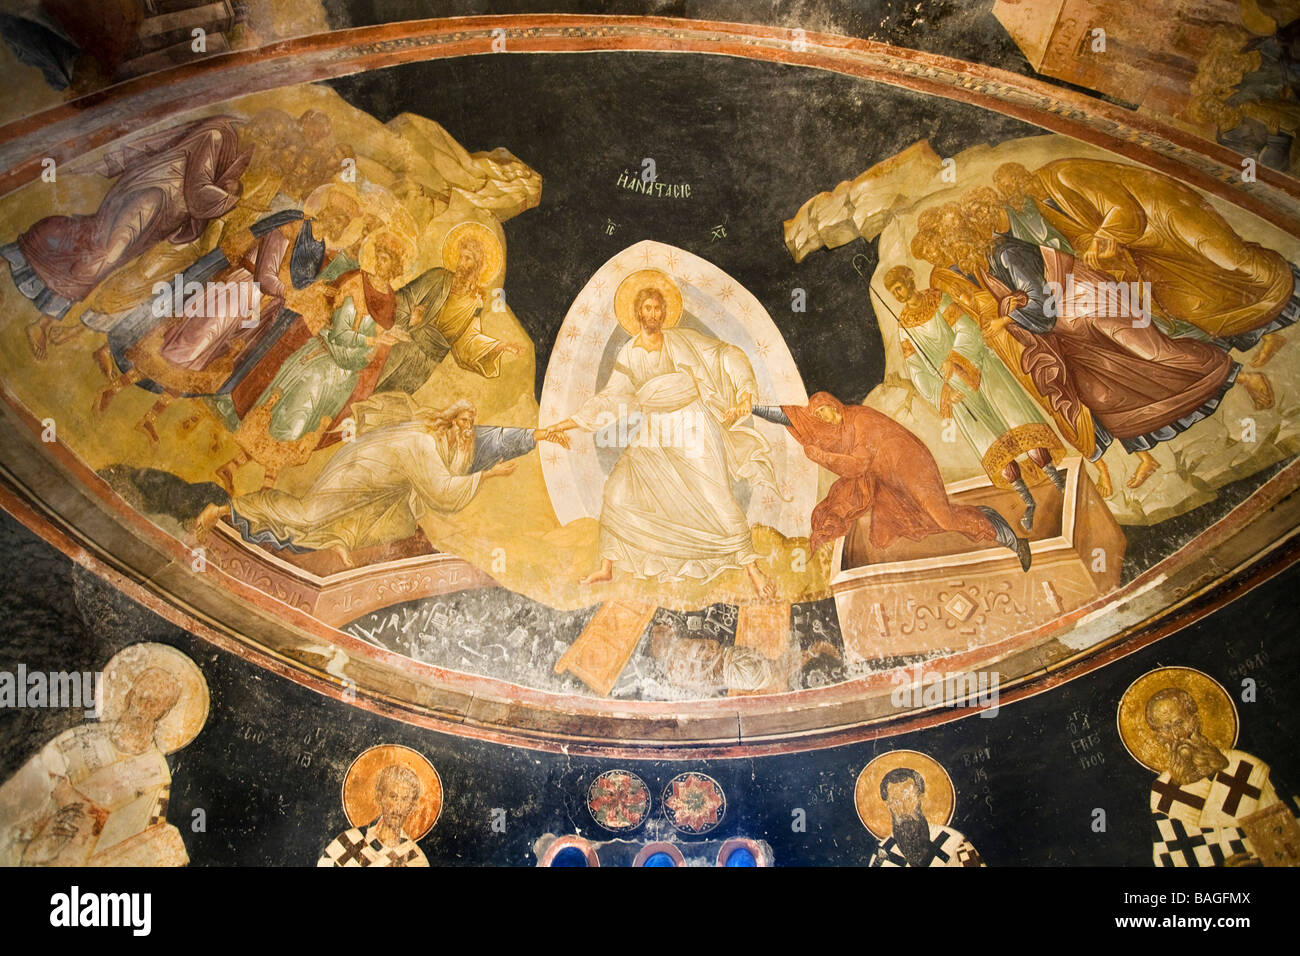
x=659, y=854
x=570, y=851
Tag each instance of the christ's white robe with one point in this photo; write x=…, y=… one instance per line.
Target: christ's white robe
x=669, y=511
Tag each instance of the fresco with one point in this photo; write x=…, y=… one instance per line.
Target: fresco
x=297, y=369
x=97, y=795
x=55, y=51
x=1226, y=70
x=665, y=440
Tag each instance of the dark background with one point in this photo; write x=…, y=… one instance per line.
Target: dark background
x=754, y=141
x=268, y=767
x=965, y=29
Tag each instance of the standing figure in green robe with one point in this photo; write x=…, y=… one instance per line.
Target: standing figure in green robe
x=954, y=369
x=441, y=310
x=315, y=382
x=315, y=385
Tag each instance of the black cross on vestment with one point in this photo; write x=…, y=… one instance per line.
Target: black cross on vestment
x=1183, y=842
x=1238, y=787
x=351, y=851
x=1170, y=791
x=933, y=851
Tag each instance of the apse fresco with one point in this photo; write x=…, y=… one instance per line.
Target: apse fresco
x=666, y=391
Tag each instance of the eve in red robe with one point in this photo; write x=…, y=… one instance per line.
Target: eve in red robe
x=884, y=469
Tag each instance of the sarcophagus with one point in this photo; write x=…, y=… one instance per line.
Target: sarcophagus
x=947, y=593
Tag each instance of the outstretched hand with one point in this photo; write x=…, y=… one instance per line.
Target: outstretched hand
x=1016, y=300
x=948, y=396
x=744, y=406
x=551, y=434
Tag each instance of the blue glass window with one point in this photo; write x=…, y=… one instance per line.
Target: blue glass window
x=569, y=856
x=740, y=856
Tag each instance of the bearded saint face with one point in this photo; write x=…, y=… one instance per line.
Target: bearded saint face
x=464, y=423
x=1014, y=182
x=334, y=221
x=153, y=694
x=397, y=789
x=388, y=262
x=469, y=262
x=1177, y=725
x=651, y=315
x=397, y=800
x=910, y=828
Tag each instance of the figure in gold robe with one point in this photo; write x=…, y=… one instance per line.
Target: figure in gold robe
x=1138, y=225
x=1106, y=369
x=1139, y=385
x=442, y=312
x=240, y=307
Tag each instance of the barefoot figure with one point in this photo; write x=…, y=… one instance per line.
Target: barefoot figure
x=669, y=512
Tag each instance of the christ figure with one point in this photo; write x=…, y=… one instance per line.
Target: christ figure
x=669, y=512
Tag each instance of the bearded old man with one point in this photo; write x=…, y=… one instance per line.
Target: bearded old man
x=385, y=841
x=376, y=489
x=913, y=840
x=1203, y=803
x=97, y=794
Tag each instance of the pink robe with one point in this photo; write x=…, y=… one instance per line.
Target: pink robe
x=170, y=186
